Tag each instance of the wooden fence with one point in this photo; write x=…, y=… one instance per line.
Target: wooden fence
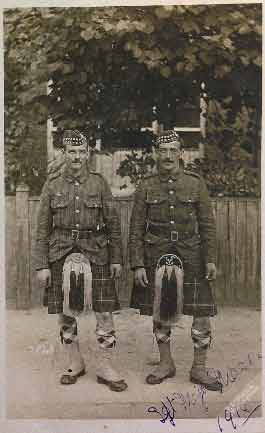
x=238, y=250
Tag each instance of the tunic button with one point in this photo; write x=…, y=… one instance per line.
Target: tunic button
x=171, y=192
x=77, y=211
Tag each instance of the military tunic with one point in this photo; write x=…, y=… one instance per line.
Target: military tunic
x=78, y=215
x=172, y=214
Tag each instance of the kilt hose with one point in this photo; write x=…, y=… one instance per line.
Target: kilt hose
x=104, y=295
x=198, y=294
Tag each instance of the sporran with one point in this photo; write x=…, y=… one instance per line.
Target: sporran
x=168, y=297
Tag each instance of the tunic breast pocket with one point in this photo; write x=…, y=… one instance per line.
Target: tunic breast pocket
x=93, y=208
x=186, y=207
x=157, y=207
x=59, y=202
x=60, y=209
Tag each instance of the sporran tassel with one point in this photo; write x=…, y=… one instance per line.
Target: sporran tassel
x=80, y=291
x=66, y=286
x=157, y=296
x=73, y=290
x=172, y=299
x=180, y=278
x=164, y=304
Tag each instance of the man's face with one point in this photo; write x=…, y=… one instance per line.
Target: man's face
x=76, y=156
x=168, y=155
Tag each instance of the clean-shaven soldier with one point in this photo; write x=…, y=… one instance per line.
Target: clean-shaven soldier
x=78, y=256
x=172, y=253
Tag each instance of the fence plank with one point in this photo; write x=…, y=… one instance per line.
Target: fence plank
x=219, y=278
x=36, y=289
x=258, y=252
x=214, y=206
x=10, y=250
x=252, y=253
x=23, y=247
x=241, y=251
x=232, y=240
x=222, y=251
x=227, y=251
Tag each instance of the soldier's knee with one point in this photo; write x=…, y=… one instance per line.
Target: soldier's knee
x=106, y=340
x=201, y=332
x=68, y=329
x=161, y=332
x=105, y=331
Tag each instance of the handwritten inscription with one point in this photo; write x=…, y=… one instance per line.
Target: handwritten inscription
x=186, y=401
x=233, y=415
x=178, y=401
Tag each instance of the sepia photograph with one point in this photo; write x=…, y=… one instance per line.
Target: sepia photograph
x=132, y=175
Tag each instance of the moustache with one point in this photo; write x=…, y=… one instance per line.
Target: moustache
x=76, y=160
x=168, y=160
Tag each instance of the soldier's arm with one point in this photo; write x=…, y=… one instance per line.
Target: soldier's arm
x=207, y=224
x=44, y=228
x=138, y=229
x=112, y=221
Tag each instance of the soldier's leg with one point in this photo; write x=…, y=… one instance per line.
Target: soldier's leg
x=69, y=338
x=166, y=367
x=201, y=336
x=106, y=338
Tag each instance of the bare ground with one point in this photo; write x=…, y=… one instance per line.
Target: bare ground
x=35, y=360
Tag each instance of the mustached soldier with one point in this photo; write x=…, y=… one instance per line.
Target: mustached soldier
x=78, y=256
x=172, y=251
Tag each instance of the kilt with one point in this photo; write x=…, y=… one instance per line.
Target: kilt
x=104, y=295
x=198, y=292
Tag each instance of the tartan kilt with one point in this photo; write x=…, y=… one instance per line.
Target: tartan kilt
x=104, y=295
x=198, y=292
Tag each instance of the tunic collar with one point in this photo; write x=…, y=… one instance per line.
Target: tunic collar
x=70, y=177
x=165, y=176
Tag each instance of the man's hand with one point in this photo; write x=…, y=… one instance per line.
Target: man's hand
x=115, y=270
x=211, y=271
x=44, y=277
x=140, y=277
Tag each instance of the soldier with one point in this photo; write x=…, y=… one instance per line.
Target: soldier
x=172, y=253
x=78, y=256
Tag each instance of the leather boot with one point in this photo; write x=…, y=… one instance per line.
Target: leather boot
x=166, y=367
x=76, y=365
x=106, y=374
x=198, y=372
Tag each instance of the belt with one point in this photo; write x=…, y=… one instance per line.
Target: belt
x=82, y=233
x=169, y=235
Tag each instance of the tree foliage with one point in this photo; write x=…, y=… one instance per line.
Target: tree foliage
x=109, y=66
